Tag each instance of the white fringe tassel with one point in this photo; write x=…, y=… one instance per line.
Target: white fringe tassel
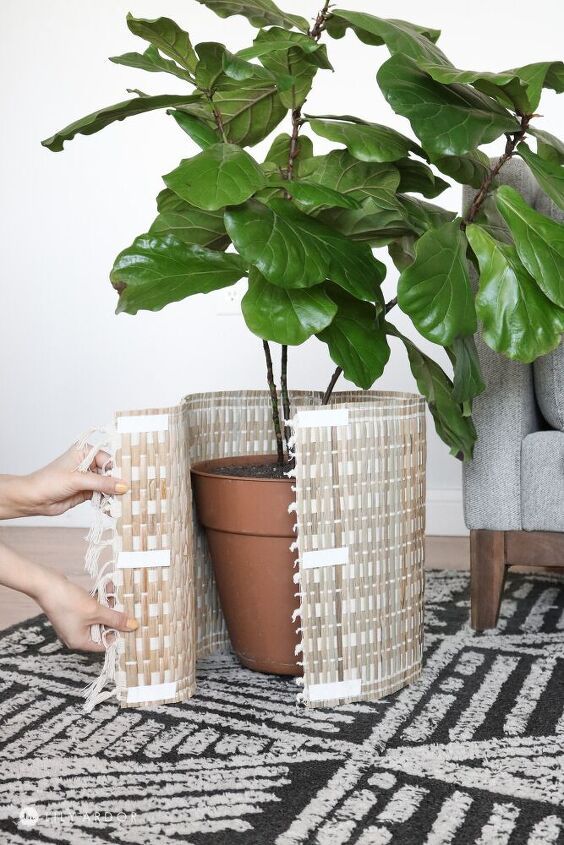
x=105, y=440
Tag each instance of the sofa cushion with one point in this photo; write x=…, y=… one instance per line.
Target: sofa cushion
x=542, y=481
x=549, y=370
x=549, y=387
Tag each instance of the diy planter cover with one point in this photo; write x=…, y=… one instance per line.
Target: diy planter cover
x=360, y=494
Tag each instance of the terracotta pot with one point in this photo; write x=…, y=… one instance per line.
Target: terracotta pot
x=249, y=533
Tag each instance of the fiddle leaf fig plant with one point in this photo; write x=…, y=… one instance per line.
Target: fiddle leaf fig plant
x=302, y=227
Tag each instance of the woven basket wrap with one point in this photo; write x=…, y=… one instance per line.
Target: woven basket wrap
x=360, y=487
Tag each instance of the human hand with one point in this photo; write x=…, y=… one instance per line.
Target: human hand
x=56, y=488
x=72, y=611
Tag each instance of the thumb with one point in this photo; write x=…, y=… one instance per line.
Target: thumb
x=101, y=483
x=116, y=619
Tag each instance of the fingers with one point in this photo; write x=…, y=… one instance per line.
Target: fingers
x=116, y=619
x=101, y=483
x=102, y=461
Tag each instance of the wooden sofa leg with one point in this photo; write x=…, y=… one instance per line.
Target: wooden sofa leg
x=487, y=577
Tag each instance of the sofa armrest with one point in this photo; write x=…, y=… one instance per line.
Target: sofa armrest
x=504, y=414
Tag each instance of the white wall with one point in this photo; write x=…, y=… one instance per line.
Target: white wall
x=67, y=361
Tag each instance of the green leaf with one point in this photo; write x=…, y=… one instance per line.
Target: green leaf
x=452, y=426
x=309, y=195
x=343, y=172
x=417, y=177
x=250, y=109
x=468, y=381
x=166, y=36
x=285, y=316
x=519, y=88
x=376, y=222
x=200, y=132
x=539, y=242
x=293, y=250
x=216, y=64
x=366, y=141
x=257, y=12
x=152, y=61
x=518, y=320
x=549, y=175
x=187, y=223
x=221, y=175
x=275, y=39
x=402, y=251
x=421, y=216
x=470, y=169
x=291, y=64
x=156, y=270
x=448, y=119
x=435, y=290
x=103, y=117
x=399, y=36
x=549, y=146
x=356, y=339
x=279, y=152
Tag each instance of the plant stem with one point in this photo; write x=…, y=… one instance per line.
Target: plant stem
x=513, y=139
x=274, y=402
x=217, y=117
x=286, y=410
x=334, y=379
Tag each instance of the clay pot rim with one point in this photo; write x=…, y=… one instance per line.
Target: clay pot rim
x=238, y=460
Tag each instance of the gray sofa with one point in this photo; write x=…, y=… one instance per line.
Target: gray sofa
x=515, y=483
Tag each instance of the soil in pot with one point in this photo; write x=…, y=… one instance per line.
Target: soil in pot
x=249, y=532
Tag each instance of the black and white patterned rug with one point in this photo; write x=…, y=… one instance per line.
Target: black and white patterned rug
x=471, y=753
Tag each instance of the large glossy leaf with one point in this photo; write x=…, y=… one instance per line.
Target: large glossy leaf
x=356, y=339
x=377, y=221
x=548, y=174
x=519, y=88
x=311, y=196
x=221, y=175
x=518, y=320
x=415, y=176
x=399, y=36
x=345, y=173
x=291, y=64
x=549, y=146
x=435, y=290
x=275, y=39
x=103, y=117
x=167, y=37
x=152, y=61
x=216, y=63
x=250, y=109
x=470, y=169
x=279, y=152
x=258, y=12
x=421, y=216
x=187, y=223
x=365, y=141
x=285, y=316
x=200, y=131
x=293, y=250
x=468, y=382
x=448, y=119
x=456, y=429
x=539, y=242
x=156, y=270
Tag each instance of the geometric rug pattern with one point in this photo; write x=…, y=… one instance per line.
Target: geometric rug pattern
x=473, y=752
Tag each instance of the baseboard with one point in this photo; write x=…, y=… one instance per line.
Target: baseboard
x=444, y=515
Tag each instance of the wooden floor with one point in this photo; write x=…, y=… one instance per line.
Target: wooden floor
x=63, y=549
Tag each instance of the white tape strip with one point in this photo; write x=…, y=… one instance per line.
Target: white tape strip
x=151, y=692
x=142, y=423
x=324, y=557
x=139, y=560
x=338, y=689
x=320, y=419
